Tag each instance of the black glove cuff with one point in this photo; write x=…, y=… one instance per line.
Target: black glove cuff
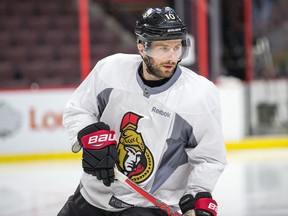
x=187, y=203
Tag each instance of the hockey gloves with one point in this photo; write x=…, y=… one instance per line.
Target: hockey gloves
x=203, y=204
x=99, y=151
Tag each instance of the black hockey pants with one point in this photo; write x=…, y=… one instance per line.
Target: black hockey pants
x=78, y=206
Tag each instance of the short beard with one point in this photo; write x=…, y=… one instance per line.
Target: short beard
x=155, y=70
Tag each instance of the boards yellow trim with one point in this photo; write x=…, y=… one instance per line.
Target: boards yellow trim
x=246, y=144
x=35, y=157
x=258, y=143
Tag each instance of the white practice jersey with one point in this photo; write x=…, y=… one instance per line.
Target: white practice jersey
x=169, y=137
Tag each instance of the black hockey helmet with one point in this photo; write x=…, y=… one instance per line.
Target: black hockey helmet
x=161, y=24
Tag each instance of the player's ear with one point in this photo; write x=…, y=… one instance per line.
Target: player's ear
x=140, y=48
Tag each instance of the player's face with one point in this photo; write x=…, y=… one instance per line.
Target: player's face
x=164, y=56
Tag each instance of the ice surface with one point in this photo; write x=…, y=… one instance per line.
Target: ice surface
x=255, y=183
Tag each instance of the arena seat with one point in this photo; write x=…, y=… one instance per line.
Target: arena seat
x=41, y=41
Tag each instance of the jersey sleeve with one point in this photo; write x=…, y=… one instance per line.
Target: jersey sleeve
x=81, y=109
x=89, y=100
x=208, y=158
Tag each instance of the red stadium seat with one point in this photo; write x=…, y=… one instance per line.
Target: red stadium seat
x=10, y=23
x=55, y=38
x=16, y=55
x=6, y=71
x=33, y=70
x=42, y=53
x=5, y=39
x=39, y=23
x=26, y=38
x=66, y=23
x=68, y=52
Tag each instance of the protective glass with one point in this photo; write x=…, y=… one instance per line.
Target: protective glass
x=160, y=49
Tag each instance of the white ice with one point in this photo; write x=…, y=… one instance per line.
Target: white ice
x=255, y=183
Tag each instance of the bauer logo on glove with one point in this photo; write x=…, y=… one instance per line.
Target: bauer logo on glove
x=99, y=139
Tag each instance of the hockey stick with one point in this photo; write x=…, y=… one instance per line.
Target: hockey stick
x=160, y=204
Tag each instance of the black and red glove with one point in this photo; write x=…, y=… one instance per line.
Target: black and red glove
x=99, y=151
x=203, y=204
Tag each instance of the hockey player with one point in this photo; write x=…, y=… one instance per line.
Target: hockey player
x=157, y=121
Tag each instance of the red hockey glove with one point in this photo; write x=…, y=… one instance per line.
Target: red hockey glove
x=203, y=204
x=99, y=151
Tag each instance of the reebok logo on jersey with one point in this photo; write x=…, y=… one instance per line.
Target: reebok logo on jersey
x=161, y=112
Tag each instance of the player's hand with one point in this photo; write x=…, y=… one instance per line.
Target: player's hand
x=99, y=151
x=190, y=213
x=203, y=204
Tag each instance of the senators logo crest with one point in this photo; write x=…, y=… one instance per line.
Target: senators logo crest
x=135, y=159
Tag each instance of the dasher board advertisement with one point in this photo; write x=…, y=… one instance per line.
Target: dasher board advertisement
x=31, y=121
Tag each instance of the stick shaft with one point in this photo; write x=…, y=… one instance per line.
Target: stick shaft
x=160, y=204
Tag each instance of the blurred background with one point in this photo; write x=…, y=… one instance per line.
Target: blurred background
x=48, y=47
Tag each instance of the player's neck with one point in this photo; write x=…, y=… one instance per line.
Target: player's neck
x=146, y=78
